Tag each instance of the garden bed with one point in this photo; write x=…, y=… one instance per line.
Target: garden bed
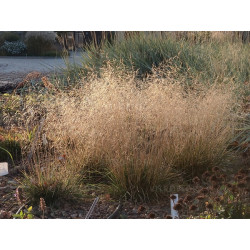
x=104, y=208
x=132, y=129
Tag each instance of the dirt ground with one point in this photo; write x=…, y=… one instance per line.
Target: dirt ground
x=104, y=208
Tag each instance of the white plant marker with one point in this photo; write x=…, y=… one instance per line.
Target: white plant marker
x=174, y=213
x=3, y=168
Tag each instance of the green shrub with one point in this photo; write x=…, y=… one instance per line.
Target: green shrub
x=40, y=43
x=8, y=36
x=16, y=48
x=36, y=46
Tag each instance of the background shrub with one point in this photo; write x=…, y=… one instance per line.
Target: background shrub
x=207, y=61
x=9, y=37
x=16, y=48
x=40, y=43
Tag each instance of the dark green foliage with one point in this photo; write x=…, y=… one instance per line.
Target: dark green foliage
x=38, y=46
x=8, y=36
x=10, y=148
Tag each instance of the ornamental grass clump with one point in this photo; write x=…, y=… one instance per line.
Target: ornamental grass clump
x=50, y=178
x=141, y=133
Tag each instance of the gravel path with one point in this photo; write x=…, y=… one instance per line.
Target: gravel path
x=14, y=69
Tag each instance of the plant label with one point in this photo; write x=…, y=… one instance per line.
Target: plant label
x=174, y=213
x=3, y=168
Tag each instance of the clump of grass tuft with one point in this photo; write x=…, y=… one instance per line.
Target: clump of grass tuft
x=52, y=180
x=144, y=131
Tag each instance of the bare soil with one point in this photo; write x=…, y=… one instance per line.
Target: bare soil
x=104, y=208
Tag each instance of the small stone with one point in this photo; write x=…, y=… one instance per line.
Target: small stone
x=64, y=214
x=12, y=182
x=141, y=209
x=67, y=206
x=110, y=209
x=3, y=184
x=5, y=214
x=134, y=211
x=52, y=215
x=74, y=216
x=151, y=216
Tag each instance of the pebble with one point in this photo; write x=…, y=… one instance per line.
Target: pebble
x=64, y=213
x=52, y=215
x=134, y=211
x=13, y=182
x=74, y=216
x=110, y=209
x=3, y=184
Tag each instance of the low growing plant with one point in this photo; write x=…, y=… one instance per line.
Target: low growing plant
x=217, y=196
x=24, y=214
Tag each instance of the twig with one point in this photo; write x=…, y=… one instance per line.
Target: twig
x=92, y=208
x=20, y=209
x=116, y=213
x=36, y=138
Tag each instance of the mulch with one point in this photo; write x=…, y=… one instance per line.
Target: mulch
x=104, y=208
